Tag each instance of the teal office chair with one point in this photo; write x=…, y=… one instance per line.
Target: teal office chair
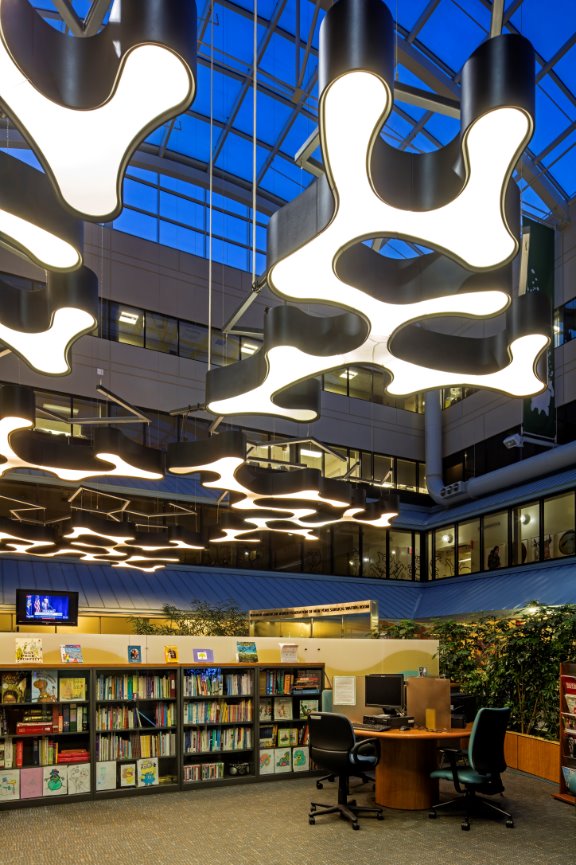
x=334, y=747
x=478, y=770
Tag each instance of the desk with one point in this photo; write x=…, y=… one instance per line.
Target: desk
x=406, y=759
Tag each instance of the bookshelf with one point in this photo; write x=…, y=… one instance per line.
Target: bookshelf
x=567, y=733
x=135, y=726
x=45, y=735
x=217, y=723
x=76, y=731
x=286, y=695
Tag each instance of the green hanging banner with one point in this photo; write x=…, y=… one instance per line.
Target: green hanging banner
x=537, y=274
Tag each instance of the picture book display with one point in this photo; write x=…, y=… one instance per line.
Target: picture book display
x=134, y=654
x=266, y=766
x=288, y=653
x=71, y=653
x=203, y=656
x=282, y=760
x=147, y=769
x=171, y=654
x=55, y=780
x=78, y=778
x=265, y=709
x=246, y=652
x=128, y=775
x=44, y=686
x=307, y=706
x=29, y=650
x=9, y=784
x=106, y=775
x=13, y=687
x=287, y=736
x=300, y=759
x=72, y=688
x=31, y=781
x=282, y=708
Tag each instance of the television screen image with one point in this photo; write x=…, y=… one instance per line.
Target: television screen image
x=37, y=607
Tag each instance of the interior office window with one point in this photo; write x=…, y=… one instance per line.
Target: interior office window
x=444, y=552
x=84, y=408
x=126, y=324
x=286, y=552
x=353, y=463
x=48, y=403
x=161, y=333
x=430, y=556
x=559, y=525
x=526, y=535
x=366, y=469
x=193, y=341
x=162, y=429
x=417, y=541
x=400, y=560
x=469, y=547
x=406, y=475
x=360, y=383
x=336, y=466
x=374, y=560
x=495, y=540
x=336, y=382
x=225, y=349
x=414, y=403
x=249, y=346
x=310, y=455
x=569, y=321
x=422, y=485
x=318, y=554
x=347, y=550
x=384, y=470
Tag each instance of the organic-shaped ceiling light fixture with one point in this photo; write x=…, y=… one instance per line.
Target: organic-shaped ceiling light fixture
x=40, y=325
x=71, y=459
x=84, y=104
x=293, y=502
x=459, y=200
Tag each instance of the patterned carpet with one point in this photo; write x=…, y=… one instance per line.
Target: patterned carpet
x=267, y=824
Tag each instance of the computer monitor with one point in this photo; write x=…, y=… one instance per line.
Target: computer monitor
x=385, y=690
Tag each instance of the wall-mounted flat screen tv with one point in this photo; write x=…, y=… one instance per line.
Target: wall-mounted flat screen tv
x=46, y=607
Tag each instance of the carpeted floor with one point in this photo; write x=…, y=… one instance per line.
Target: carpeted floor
x=267, y=824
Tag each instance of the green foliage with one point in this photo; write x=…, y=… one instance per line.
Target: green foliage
x=201, y=620
x=404, y=629
x=510, y=661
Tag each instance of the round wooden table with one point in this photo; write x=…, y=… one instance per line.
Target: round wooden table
x=406, y=759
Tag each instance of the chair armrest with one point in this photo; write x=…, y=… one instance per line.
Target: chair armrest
x=366, y=748
x=453, y=755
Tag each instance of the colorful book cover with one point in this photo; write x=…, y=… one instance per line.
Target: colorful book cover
x=147, y=771
x=44, y=686
x=71, y=653
x=78, y=778
x=135, y=654
x=282, y=708
x=300, y=759
x=246, y=652
x=171, y=654
x=287, y=736
x=55, y=780
x=282, y=760
x=106, y=775
x=266, y=761
x=128, y=775
x=265, y=709
x=307, y=706
x=14, y=687
x=203, y=656
x=31, y=783
x=73, y=688
x=29, y=650
x=267, y=735
x=9, y=784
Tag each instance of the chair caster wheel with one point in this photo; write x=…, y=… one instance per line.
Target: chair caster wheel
x=380, y=816
x=312, y=807
x=319, y=785
x=509, y=824
x=432, y=815
x=465, y=827
x=355, y=826
x=311, y=821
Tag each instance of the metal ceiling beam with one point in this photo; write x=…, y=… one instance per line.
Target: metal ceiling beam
x=497, y=19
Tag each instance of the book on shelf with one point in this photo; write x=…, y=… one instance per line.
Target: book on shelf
x=307, y=706
x=78, y=778
x=128, y=775
x=282, y=760
x=171, y=654
x=134, y=654
x=13, y=687
x=72, y=688
x=300, y=759
x=265, y=709
x=29, y=650
x=106, y=775
x=44, y=686
x=55, y=780
x=203, y=656
x=71, y=653
x=18, y=753
x=283, y=708
x=147, y=771
x=31, y=780
x=267, y=762
x=267, y=735
x=9, y=784
x=246, y=652
x=287, y=736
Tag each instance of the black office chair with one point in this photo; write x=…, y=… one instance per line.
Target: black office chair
x=334, y=747
x=477, y=770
